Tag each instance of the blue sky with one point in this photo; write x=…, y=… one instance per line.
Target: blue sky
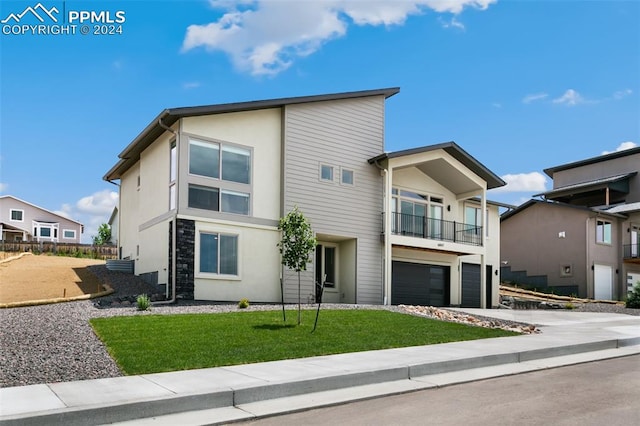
x=520, y=85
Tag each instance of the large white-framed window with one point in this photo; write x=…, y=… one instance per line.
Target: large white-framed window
x=69, y=234
x=218, y=255
x=16, y=215
x=217, y=160
x=603, y=231
x=45, y=231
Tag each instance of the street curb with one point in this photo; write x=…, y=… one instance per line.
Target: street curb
x=245, y=394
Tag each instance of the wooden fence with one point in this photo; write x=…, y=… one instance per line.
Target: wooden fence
x=61, y=249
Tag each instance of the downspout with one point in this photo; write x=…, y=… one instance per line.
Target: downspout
x=174, y=227
x=386, y=259
x=483, y=256
x=589, y=274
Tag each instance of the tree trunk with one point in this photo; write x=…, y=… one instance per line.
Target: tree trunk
x=299, y=320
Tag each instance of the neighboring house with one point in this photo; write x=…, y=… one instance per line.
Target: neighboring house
x=202, y=190
x=23, y=221
x=114, y=222
x=583, y=237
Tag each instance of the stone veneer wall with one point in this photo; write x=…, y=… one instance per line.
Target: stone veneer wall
x=185, y=255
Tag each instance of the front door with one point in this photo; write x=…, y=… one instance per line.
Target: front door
x=326, y=271
x=602, y=282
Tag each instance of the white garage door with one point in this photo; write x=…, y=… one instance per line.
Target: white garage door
x=602, y=282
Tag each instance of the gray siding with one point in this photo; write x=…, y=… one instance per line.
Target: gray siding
x=603, y=169
x=343, y=133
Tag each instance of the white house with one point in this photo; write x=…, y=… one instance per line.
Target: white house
x=202, y=190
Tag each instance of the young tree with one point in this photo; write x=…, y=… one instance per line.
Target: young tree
x=104, y=235
x=297, y=244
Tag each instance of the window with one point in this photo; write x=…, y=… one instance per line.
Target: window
x=69, y=234
x=202, y=197
x=416, y=214
x=235, y=202
x=218, y=253
x=214, y=199
x=45, y=232
x=172, y=175
x=473, y=218
x=234, y=165
x=603, y=232
x=326, y=172
x=17, y=215
x=346, y=177
x=204, y=159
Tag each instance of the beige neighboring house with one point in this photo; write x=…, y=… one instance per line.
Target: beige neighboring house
x=23, y=221
x=583, y=236
x=202, y=190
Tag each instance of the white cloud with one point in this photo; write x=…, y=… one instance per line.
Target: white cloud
x=570, y=98
x=524, y=182
x=453, y=23
x=534, y=97
x=3, y=186
x=496, y=104
x=191, y=85
x=622, y=94
x=92, y=211
x=264, y=37
x=623, y=146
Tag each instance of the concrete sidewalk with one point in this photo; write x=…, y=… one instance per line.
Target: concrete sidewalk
x=220, y=395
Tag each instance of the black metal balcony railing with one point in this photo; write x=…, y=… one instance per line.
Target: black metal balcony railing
x=434, y=229
x=631, y=251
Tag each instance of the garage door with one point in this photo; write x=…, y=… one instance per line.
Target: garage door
x=471, y=285
x=419, y=284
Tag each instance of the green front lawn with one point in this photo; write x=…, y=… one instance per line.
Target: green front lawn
x=156, y=343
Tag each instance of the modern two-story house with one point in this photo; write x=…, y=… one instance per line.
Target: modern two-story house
x=202, y=190
x=23, y=221
x=582, y=236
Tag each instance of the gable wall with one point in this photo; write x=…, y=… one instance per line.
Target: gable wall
x=343, y=133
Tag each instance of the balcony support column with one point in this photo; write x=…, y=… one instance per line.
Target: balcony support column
x=483, y=266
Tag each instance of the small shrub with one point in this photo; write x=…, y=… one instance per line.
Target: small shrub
x=633, y=299
x=144, y=302
x=569, y=306
x=243, y=303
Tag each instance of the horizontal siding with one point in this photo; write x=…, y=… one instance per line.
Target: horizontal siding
x=343, y=133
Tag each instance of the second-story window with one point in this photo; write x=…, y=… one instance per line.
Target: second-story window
x=473, y=219
x=603, y=232
x=172, y=175
x=416, y=214
x=219, y=161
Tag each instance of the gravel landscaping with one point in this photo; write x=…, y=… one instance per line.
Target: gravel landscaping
x=54, y=343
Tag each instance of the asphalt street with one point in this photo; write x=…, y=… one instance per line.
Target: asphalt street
x=595, y=393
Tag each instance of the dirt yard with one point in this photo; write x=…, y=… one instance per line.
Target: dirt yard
x=46, y=277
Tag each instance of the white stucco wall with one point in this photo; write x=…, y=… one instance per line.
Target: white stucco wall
x=129, y=214
x=258, y=265
x=259, y=130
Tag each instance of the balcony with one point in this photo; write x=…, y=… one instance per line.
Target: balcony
x=631, y=253
x=435, y=229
